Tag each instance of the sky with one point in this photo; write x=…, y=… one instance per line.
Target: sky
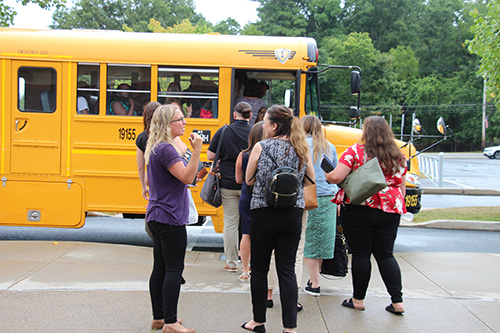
x=243, y=11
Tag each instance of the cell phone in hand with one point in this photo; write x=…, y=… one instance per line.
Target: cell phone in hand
x=326, y=164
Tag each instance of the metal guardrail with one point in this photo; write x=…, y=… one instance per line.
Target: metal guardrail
x=432, y=168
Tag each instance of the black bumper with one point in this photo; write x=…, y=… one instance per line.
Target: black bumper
x=413, y=199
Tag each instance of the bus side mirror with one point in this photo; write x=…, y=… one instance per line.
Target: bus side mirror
x=355, y=82
x=441, y=126
x=354, y=112
x=417, y=128
x=288, y=98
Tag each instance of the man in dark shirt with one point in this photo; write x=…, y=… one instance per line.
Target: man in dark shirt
x=235, y=139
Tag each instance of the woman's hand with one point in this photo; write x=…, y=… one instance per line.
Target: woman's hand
x=196, y=141
x=337, y=175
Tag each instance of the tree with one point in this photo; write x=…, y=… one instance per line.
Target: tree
x=313, y=18
x=281, y=18
x=185, y=27
x=388, y=22
x=7, y=13
x=445, y=27
x=228, y=27
x=486, y=44
x=124, y=14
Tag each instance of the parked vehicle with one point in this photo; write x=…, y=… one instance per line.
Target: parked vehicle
x=492, y=152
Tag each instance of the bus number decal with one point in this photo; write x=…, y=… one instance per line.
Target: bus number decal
x=126, y=133
x=411, y=200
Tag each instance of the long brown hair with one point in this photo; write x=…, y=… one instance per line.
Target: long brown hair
x=256, y=135
x=378, y=141
x=312, y=126
x=290, y=126
x=149, y=110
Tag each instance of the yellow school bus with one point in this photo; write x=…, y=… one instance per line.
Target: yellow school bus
x=68, y=146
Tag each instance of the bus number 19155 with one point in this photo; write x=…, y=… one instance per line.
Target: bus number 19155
x=126, y=133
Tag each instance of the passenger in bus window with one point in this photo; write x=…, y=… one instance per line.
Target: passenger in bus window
x=122, y=104
x=194, y=106
x=175, y=88
x=251, y=95
x=82, y=103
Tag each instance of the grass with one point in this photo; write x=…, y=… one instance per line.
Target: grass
x=462, y=213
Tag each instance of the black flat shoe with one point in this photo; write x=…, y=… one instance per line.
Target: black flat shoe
x=270, y=303
x=391, y=309
x=348, y=303
x=299, y=307
x=259, y=328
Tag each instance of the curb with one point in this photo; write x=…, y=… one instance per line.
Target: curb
x=460, y=191
x=454, y=224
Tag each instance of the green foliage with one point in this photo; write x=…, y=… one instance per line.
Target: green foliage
x=228, y=27
x=135, y=15
x=486, y=44
x=7, y=13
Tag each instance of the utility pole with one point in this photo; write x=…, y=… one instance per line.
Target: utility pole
x=483, y=123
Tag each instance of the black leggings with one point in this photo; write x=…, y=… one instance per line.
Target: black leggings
x=369, y=230
x=169, y=250
x=275, y=229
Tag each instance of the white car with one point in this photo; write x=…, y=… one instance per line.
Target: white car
x=492, y=152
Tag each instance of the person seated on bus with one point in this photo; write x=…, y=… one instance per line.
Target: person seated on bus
x=194, y=106
x=82, y=102
x=174, y=88
x=121, y=104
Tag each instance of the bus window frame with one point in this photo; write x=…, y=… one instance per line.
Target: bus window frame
x=54, y=86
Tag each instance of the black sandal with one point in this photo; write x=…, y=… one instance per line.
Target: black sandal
x=390, y=308
x=258, y=328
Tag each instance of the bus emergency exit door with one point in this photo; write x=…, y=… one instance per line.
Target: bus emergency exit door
x=36, y=118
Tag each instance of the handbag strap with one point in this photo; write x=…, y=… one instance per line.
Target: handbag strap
x=219, y=144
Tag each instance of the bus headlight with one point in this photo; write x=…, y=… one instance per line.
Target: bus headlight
x=413, y=179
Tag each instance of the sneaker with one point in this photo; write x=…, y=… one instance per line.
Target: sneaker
x=309, y=283
x=231, y=269
x=312, y=291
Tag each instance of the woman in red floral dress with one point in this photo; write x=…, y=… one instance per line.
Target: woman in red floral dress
x=371, y=227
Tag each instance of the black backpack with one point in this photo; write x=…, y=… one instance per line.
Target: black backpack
x=282, y=186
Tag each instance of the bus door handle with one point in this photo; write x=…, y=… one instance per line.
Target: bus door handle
x=17, y=125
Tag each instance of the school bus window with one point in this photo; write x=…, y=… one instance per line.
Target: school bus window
x=36, y=89
x=88, y=89
x=196, y=91
x=129, y=89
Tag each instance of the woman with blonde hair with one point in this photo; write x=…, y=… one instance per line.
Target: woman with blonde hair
x=371, y=227
x=277, y=228
x=168, y=211
x=321, y=222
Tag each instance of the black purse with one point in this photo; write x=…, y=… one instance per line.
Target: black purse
x=337, y=266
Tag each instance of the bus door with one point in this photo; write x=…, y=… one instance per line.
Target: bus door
x=36, y=116
x=35, y=192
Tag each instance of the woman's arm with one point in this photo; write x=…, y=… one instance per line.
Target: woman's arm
x=141, y=169
x=338, y=174
x=402, y=187
x=187, y=174
x=252, y=164
x=238, y=175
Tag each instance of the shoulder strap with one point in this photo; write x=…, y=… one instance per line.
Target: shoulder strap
x=216, y=158
x=272, y=158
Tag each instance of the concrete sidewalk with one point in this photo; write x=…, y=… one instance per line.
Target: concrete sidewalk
x=85, y=287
